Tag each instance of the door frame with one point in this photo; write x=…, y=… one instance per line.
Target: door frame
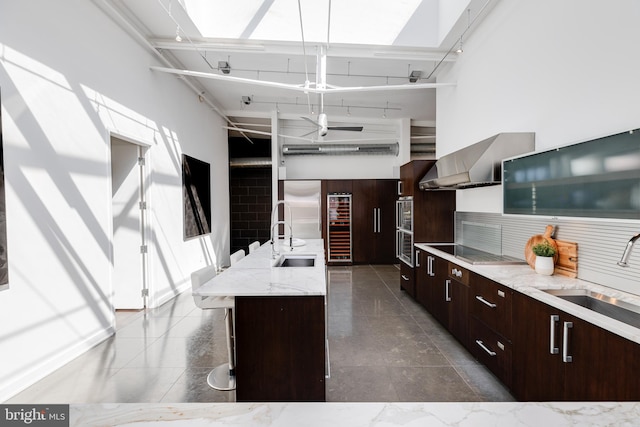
x=144, y=177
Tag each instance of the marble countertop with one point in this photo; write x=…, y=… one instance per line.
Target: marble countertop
x=256, y=275
x=524, y=279
x=476, y=414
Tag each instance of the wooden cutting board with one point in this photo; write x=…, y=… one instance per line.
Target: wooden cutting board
x=529, y=256
x=567, y=263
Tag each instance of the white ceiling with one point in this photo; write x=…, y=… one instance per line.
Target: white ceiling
x=367, y=42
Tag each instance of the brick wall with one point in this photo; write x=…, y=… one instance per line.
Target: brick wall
x=250, y=206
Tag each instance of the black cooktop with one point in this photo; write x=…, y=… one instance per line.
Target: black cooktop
x=475, y=256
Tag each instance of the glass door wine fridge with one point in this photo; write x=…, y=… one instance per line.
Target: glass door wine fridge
x=339, y=227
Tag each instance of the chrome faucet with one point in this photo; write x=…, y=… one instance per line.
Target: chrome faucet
x=627, y=251
x=275, y=222
x=274, y=238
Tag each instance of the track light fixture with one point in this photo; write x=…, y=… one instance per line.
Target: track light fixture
x=224, y=67
x=459, y=49
x=415, y=76
x=246, y=100
x=178, y=38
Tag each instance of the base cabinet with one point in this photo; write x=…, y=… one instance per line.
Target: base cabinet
x=539, y=352
x=492, y=350
x=560, y=357
x=407, y=279
x=457, y=284
x=280, y=349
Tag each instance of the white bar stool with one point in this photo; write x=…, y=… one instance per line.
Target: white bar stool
x=222, y=377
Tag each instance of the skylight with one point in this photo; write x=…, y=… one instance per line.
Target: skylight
x=412, y=23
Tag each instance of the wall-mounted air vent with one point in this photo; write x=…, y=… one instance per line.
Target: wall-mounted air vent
x=340, y=149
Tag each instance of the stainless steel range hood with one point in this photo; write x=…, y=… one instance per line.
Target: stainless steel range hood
x=479, y=164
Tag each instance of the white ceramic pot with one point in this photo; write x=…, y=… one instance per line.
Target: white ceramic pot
x=544, y=265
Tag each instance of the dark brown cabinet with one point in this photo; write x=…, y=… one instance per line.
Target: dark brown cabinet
x=421, y=277
x=558, y=356
x=280, y=348
x=410, y=175
x=407, y=279
x=374, y=202
x=373, y=217
x=430, y=275
x=490, y=327
x=457, y=297
x=432, y=210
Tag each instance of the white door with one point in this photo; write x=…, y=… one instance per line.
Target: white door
x=128, y=225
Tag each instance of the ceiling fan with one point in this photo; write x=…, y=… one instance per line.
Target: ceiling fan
x=323, y=126
x=323, y=123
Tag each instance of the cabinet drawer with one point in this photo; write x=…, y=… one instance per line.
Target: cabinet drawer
x=491, y=303
x=492, y=350
x=458, y=273
x=407, y=279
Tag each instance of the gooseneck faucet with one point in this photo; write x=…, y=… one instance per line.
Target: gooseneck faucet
x=275, y=223
x=627, y=251
x=274, y=238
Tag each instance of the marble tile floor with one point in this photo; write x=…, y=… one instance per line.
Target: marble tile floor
x=384, y=347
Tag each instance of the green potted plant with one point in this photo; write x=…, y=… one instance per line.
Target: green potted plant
x=544, y=257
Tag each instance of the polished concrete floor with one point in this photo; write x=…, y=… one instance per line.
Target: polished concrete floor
x=383, y=347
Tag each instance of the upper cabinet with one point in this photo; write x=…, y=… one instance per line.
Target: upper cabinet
x=598, y=178
x=410, y=174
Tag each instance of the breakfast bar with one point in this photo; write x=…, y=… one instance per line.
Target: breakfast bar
x=280, y=321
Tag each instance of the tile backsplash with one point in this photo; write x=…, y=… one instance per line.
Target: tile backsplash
x=600, y=243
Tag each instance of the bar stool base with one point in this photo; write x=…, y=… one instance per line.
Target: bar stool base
x=221, y=378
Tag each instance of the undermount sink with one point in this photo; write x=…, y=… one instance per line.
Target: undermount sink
x=296, y=260
x=600, y=303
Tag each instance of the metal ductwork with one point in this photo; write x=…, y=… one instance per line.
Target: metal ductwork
x=479, y=164
x=339, y=149
x=250, y=162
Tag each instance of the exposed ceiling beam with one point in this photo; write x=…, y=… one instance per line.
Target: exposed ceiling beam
x=300, y=88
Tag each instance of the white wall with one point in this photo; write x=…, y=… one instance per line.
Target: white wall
x=69, y=77
x=567, y=71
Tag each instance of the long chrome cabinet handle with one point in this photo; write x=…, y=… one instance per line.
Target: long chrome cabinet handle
x=374, y=221
x=417, y=258
x=430, y=266
x=447, y=295
x=484, y=301
x=566, y=358
x=552, y=334
x=379, y=215
x=489, y=352
x=405, y=278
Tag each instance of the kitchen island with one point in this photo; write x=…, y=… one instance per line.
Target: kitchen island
x=280, y=322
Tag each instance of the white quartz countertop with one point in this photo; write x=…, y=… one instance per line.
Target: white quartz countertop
x=476, y=414
x=256, y=275
x=524, y=279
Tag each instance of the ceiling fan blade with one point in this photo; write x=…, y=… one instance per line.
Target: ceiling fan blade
x=310, y=121
x=349, y=128
x=308, y=133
